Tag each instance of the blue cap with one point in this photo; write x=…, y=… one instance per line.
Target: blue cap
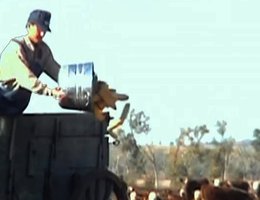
x=41, y=18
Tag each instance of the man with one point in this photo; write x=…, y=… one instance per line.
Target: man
x=22, y=62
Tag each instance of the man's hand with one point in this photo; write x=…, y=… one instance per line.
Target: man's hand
x=58, y=93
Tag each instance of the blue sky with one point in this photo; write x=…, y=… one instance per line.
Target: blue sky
x=183, y=62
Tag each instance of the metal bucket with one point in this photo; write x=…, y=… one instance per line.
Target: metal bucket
x=76, y=80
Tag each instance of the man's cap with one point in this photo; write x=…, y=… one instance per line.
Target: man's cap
x=41, y=18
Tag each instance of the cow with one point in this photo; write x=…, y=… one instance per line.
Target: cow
x=133, y=195
x=243, y=185
x=191, y=185
x=197, y=195
x=152, y=195
x=211, y=192
x=173, y=195
x=256, y=188
x=203, y=189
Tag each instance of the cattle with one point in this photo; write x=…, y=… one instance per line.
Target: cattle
x=174, y=197
x=210, y=192
x=197, y=195
x=133, y=195
x=247, y=186
x=256, y=188
x=182, y=192
x=191, y=185
x=152, y=195
x=171, y=195
x=243, y=185
x=203, y=189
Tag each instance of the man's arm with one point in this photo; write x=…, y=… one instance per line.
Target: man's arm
x=51, y=67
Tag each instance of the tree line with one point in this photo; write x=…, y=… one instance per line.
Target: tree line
x=187, y=156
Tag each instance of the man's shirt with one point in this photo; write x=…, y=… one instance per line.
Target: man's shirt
x=22, y=62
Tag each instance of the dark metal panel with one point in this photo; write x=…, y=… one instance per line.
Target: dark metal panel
x=50, y=148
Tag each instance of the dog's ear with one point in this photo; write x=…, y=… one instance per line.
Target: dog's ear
x=105, y=97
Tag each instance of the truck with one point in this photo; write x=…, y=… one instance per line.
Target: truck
x=61, y=156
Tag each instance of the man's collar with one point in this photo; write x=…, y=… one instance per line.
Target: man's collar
x=29, y=43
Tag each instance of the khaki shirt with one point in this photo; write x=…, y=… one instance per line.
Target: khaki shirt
x=16, y=63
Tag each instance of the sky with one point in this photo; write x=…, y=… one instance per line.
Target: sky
x=183, y=62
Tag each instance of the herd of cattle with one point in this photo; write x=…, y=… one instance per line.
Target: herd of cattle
x=202, y=189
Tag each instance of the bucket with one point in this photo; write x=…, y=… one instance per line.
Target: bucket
x=76, y=80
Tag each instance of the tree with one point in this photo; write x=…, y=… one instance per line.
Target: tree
x=243, y=164
x=221, y=127
x=132, y=153
x=256, y=142
x=225, y=148
x=189, y=155
x=148, y=151
x=138, y=122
